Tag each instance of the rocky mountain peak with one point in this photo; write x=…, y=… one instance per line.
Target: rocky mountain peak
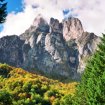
x=58, y=49
x=40, y=24
x=55, y=25
x=72, y=28
x=39, y=21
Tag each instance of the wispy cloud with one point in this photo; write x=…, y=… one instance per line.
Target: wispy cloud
x=90, y=12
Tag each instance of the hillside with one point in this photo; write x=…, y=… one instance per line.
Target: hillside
x=18, y=87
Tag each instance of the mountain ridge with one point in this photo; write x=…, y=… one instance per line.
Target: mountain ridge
x=55, y=48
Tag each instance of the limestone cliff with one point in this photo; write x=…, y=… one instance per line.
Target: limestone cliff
x=55, y=48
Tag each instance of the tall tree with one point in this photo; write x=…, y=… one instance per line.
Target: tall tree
x=91, y=90
x=3, y=11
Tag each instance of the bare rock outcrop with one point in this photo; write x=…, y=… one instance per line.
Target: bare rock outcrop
x=11, y=50
x=59, y=49
x=72, y=28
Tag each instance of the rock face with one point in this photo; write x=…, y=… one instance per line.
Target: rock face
x=58, y=49
x=11, y=50
x=72, y=29
x=87, y=44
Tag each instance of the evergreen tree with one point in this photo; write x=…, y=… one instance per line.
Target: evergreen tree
x=3, y=12
x=91, y=90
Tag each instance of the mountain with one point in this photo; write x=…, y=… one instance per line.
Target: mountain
x=55, y=49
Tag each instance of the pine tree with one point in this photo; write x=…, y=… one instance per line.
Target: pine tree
x=91, y=90
x=3, y=12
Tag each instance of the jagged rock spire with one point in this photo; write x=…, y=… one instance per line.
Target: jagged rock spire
x=50, y=48
x=72, y=28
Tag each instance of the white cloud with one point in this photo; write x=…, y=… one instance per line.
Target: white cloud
x=91, y=13
x=17, y=23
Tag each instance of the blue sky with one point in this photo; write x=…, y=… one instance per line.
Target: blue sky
x=14, y=5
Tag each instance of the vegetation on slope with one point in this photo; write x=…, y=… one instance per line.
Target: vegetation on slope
x=18, y=87
x=91, y=90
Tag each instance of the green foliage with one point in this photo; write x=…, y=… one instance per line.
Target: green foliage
x=56, y=102
x=18, y=87
x=66, y=100
x=5, y=98
x=3, y=12
x=4, y=70
x=91, y=90
x=53, y=92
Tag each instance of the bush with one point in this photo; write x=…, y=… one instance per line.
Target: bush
x=66, y=100
x=5, y=98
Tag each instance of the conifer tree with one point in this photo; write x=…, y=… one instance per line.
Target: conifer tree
x=91, y=90
x=3, y=12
